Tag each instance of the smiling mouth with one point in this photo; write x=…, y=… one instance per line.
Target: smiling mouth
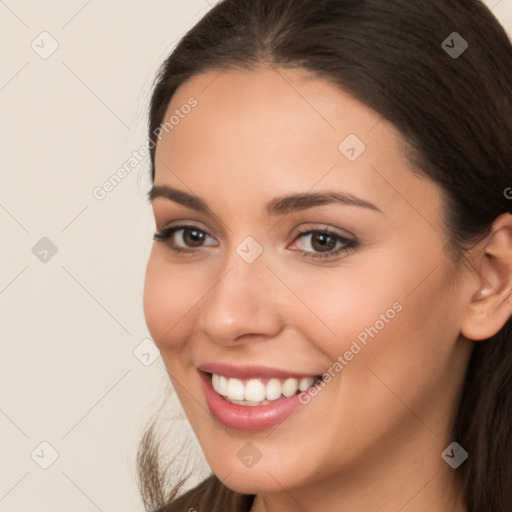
x=259, y=391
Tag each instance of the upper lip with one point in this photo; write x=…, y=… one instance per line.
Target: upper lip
x=250, y=372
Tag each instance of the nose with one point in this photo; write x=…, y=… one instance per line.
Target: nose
x=243, y=303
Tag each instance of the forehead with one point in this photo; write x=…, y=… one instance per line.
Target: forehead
x=272, y=131
x=273, y=106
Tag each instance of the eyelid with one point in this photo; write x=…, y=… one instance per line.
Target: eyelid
x=180, y=214
x=316, y=227
x=167, y=232
x=184, y=223
x=347, y=244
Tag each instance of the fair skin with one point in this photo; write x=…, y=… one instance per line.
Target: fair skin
x=372, y=438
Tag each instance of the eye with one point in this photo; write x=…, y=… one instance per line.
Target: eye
x=324, y=243
x=183, y=238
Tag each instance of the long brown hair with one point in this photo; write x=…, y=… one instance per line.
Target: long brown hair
x=454, y=111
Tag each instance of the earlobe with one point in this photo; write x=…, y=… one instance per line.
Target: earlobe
x=490, y=305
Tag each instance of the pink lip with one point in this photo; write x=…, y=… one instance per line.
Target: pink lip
x=250, y=372
x=247, y=418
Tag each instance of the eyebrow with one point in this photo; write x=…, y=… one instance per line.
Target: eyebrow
x=277, y=206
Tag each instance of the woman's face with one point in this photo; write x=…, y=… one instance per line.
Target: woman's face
x=310, y=249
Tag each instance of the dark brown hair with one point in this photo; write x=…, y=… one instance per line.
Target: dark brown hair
x=455, y=112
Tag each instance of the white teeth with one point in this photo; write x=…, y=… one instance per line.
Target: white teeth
x=306, y=383
x=254, y=392
x=290, y=387
x=223, y=386
x=220, y=384
x=250, y=403
x=236, y=389
x=273, y=389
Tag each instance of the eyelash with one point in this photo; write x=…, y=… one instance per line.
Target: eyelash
x=348, y=245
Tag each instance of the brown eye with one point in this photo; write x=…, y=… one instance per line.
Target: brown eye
x=193, y=237
x=317, y=243
x=183, y=238
x=322, y=242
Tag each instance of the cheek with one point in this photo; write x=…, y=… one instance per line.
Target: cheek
x=401, y=337
x=339, y=305
x=170, y=294
x=379, y=310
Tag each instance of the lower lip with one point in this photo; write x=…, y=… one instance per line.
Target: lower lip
x=245, y=417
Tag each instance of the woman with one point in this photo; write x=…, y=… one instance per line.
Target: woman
x=330, y=281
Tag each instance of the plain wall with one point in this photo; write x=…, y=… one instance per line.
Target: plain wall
x=75, y=369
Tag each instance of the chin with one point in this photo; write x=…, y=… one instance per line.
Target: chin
x=264, y=476
x=248, y=482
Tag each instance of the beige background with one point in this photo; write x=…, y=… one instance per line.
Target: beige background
x=75, y=369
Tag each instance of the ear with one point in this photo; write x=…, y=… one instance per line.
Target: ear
x=491, y=303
